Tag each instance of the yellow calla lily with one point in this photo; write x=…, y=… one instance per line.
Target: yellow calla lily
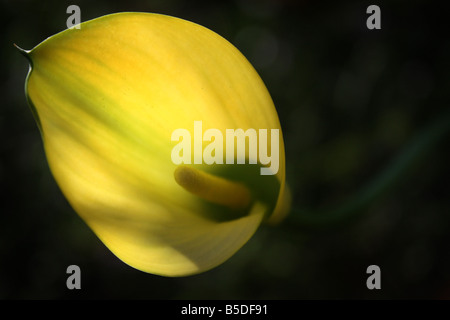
x=107, y=98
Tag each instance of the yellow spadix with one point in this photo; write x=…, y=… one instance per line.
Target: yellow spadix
x=107, y=98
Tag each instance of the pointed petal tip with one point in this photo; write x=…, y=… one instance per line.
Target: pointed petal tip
x=24, y=52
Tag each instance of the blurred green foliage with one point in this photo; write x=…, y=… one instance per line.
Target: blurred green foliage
x=348, y=100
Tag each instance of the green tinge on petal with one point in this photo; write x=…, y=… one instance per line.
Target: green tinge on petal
x=108, y=97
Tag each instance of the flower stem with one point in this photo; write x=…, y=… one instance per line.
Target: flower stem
x=356, y=205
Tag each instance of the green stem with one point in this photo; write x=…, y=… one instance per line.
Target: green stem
x=417, y=147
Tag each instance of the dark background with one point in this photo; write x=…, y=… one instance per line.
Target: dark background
x=348, y=99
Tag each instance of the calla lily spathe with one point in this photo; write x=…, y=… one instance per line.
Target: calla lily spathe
x=107, y=98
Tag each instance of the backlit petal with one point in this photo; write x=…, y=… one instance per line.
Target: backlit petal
x=108, y=97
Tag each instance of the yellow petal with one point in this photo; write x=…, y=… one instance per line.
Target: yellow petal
x=107, y=98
